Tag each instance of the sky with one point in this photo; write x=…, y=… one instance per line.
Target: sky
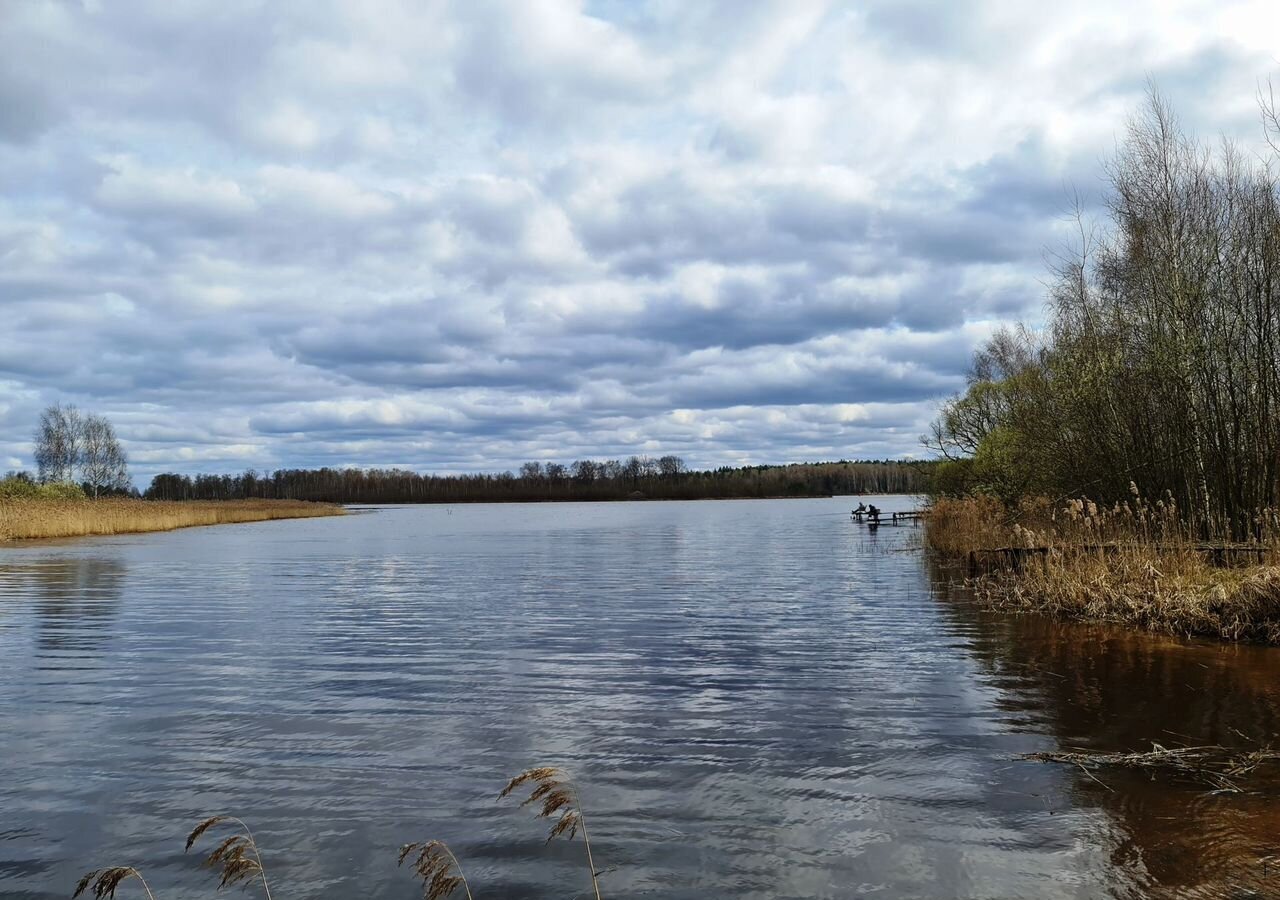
x=454, y=236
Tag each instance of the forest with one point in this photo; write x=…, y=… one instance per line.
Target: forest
x=1157, y=369
x=663, y=478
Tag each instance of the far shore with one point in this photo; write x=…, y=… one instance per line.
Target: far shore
x=33, y=519
x=546, y=500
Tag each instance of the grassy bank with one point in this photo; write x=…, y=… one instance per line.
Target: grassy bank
x=22, y=519
x=1134, y=563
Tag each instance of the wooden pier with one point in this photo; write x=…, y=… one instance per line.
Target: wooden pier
x=880, y=517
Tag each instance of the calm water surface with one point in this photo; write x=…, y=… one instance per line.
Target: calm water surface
x=761, y=699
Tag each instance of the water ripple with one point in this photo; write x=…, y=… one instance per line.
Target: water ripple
x=762, y=699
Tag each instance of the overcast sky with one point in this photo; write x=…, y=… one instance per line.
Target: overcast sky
x=458, y=235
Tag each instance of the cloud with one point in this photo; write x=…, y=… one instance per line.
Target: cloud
x=453, y=236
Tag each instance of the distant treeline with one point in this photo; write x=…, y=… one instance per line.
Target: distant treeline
x=665, y=478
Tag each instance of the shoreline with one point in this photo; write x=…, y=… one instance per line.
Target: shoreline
x=528, y=502
x=38, y=519
x=1102, y=569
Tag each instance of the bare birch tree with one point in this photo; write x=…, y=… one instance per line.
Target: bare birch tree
x=57, y=443
x=1161, y=362
x=103, y=465
x=71, y=444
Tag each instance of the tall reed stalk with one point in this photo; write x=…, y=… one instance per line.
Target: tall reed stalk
x=436, y=867
x=238, y=855
x=104, y=882
x=560, y=799
x=239, y=860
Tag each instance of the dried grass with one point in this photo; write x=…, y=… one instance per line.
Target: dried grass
x=954, y=527
x=1135, y=563
x=22, y=519
x=1174, y=593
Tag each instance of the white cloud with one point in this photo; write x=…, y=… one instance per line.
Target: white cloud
x=453, y=235
x=131, y=190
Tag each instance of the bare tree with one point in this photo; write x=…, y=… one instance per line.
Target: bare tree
x=671, y=466
x=57, y=441
x=585, y=470
x=70, y=443
x=1160, y=364
x=103, y=465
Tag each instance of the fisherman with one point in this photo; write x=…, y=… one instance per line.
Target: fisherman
x=873, y=511
x=862, y=507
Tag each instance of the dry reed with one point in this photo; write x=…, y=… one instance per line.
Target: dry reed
x=237, y=855
x=1133, y=562
x=240, y=862
x=954, y=527
x=104, y=882
x=437, y=868
x=22, y=519
x=560, y=799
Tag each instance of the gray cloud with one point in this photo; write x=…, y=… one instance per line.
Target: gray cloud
x=456, y=235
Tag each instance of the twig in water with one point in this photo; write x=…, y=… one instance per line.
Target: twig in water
x=1218, y=767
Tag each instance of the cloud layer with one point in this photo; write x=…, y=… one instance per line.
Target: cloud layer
x=456, y=235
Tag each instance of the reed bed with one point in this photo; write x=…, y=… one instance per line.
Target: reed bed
x=1136, y=562
x=22, y=519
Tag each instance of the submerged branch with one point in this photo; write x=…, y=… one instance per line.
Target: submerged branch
x=1221, y=768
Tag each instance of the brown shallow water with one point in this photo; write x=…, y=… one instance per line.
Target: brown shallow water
x=761, y=698
x=1110, y=688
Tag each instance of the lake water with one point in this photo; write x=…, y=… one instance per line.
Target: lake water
x=759, y=698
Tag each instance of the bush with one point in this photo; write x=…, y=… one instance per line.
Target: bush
x=14, y=488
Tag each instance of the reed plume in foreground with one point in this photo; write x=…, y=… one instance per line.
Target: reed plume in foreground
x=105, y=881
x=237, y=855
x=434, y=863
x=559, y=796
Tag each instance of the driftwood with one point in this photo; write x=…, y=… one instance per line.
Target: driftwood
x=1220, y=768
